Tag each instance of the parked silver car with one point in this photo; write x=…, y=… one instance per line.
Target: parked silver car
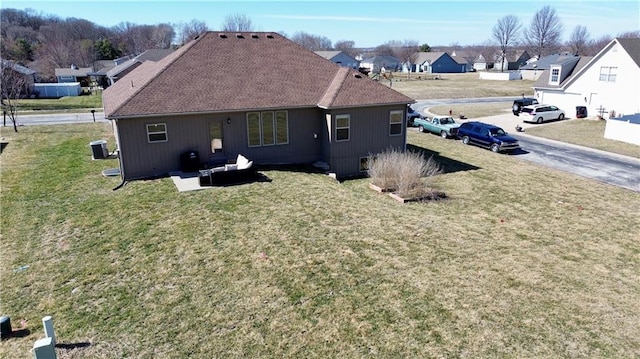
x=540, y=113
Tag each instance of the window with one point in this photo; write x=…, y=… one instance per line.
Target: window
x=342, y=127
x=608, y=74
x=215, y=133
x=267, y=128
x=395, y=123
x=157, y=132
x=555, y=76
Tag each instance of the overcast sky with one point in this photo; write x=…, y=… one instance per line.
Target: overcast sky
x=368, y=23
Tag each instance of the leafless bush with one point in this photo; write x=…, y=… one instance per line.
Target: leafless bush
x=407, y=173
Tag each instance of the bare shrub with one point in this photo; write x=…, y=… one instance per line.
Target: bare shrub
x=407, y=173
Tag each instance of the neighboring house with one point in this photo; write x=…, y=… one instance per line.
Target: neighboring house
x=480, y=63
x=534, y=68
x=624, y=128
x=513, y=60
x=340, y=58
x=23, y=73
x=464, y=58
x=376, y=64
x=605, y=84
x=256, y=94
x=436, y=62
x=74, y=74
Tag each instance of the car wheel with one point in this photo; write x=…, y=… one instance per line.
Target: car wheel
x=443, y=134
x=495, y=148
x=539, y=120
x=465, y=140
x=420, y=128
x=561, y=117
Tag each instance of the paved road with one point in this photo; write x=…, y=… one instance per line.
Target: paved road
x=57, y=119
x=617, y=170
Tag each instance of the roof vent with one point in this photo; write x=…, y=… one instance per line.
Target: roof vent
x=239, y=36
x=357, y=76
x=222, y=36
x=269, y=36
x=255, y=36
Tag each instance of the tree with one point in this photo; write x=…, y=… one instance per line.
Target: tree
x=579, y=40
x=346, y=46
x=237, y=22
x=189, y=30
x=543, y=35
x=505, y=33
x=13, y=84
x=425, y=48
x=311, y=42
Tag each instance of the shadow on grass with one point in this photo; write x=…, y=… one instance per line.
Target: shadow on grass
x=447, y=164
x=69, y=346
x=3, y=145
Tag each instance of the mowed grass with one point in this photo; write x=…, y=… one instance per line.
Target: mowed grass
x=63, y=104
x=422, y=86
x=520, y=261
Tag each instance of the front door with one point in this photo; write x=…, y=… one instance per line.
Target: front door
x=216, y=142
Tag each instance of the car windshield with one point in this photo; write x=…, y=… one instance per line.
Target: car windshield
x=497, y=132
x=446, y=120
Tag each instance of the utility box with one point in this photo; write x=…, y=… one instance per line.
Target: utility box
x=99, y=149
x=44, y=349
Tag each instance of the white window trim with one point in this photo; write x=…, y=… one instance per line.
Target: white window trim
x=259, y=129
x=348, y=117
x=399, y=122
x=557, y=80
x=608, y=73
x=165, y=132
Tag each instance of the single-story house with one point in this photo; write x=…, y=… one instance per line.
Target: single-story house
x=533, y=68
x=513, y=60
x=466, y=58
x=25, y=75
x=605, y=84
x=258, y=94
x=340, y=58
x=377, y=64
x=123, y=68
x=436, y=62
x=74, y=74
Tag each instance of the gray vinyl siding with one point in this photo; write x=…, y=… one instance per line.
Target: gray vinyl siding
x=140, y=159
x=369, y=134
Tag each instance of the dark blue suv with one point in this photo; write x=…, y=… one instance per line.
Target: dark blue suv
x=487, y=135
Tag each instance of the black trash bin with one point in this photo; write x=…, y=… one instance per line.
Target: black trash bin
x=581, y=111
x=190, y=161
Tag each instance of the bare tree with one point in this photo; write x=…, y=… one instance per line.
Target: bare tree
x=311, y=42
x=505, y=32
x=346, y=46
x=237, y=22
x=189, y=30
x=12, y=85
x=162, y=36
x=579, y=40
x=543, y=35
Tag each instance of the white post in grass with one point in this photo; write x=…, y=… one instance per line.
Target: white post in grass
x=47, y=323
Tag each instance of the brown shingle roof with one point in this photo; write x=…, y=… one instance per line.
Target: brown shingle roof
x=221, y=71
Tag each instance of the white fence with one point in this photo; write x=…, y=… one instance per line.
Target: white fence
x=500, y=76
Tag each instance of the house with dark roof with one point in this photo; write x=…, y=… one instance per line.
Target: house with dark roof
x=436, y=62
x=534, y=67
x=340, y=58
x=124, y=67
x=74, y=74
x=252, y=93
x=25, y=75
x=513, y=59
x=605, y=84
x=466, y=58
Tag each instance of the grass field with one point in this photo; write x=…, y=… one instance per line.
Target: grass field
x=63, y=104
x=521, y=261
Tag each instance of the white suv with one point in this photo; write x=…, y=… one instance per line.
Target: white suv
x=539, y=113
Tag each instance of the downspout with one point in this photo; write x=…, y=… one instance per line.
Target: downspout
x=124, y=181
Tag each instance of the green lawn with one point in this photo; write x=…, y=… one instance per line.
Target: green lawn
x=521, y=260
x=63, y=104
